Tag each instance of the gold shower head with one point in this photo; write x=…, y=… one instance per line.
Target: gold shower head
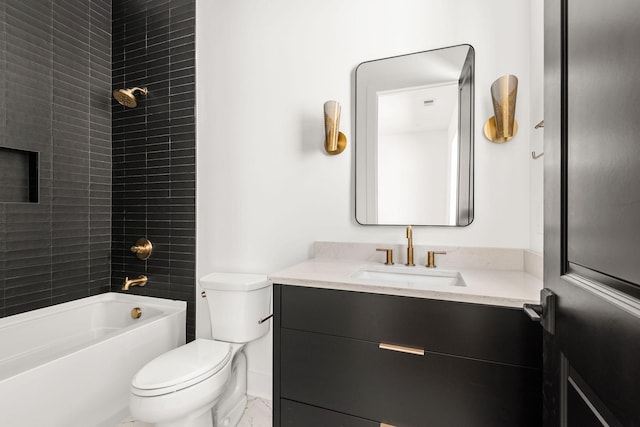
x=127, y=97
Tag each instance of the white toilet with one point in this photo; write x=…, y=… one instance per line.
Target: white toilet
x=204, y=383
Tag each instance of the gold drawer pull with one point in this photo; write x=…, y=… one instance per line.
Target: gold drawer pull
x=401, y=349
x=386, y=425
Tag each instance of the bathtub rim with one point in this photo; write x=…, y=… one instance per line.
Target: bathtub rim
x=167, y=306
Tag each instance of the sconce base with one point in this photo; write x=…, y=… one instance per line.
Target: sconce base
x=491, y=131
x=342, y=144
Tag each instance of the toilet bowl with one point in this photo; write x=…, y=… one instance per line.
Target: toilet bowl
x=191, y=378
x=203, y=383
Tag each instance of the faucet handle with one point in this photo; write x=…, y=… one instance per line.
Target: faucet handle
x=142, y=248
x=389, y=255
x=431, y=258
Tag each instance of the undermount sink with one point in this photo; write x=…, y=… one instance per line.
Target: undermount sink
x=418, y=277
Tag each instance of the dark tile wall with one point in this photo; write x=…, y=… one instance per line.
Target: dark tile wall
x=154, y=168
x=55, y=80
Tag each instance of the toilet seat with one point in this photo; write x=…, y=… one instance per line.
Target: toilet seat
x=181, y=367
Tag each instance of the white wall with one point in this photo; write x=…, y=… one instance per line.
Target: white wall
x=266, y=189
x=536, y=169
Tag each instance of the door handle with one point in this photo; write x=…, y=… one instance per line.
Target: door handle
x=534, y=311
x=545, y=312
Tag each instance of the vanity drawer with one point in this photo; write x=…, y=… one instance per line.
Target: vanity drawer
x=358, y=378
x=499, y=334
x=296, y=414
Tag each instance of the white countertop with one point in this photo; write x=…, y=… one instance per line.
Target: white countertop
x=509, y=288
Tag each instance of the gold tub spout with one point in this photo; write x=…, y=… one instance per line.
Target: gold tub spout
x=140, y=281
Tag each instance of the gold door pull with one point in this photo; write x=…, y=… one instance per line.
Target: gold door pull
x=401, y=349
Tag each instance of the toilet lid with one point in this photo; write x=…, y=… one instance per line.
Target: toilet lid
x=181, y=367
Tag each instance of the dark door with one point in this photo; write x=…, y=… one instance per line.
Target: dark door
x=592, y=212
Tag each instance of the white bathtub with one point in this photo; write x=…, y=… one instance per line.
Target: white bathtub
x=71, y=364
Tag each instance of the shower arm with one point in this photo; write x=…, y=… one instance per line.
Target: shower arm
x=139, y=89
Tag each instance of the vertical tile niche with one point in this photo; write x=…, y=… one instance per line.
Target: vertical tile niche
x=18, y=176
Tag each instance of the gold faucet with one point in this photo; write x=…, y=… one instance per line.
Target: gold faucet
x=410, y=246
x=140, y=281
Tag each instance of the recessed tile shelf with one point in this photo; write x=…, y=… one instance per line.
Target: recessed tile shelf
x=18, y=176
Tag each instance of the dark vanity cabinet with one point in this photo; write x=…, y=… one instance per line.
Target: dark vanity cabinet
x=344, y=358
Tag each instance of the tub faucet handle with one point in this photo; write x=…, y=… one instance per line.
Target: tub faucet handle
x=142, y=248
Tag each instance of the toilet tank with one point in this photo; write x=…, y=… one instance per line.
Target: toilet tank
x=237, y=302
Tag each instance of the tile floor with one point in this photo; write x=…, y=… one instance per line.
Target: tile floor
x=257, y=414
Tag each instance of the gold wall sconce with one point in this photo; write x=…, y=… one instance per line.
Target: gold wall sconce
x=142, y=248
x=334, y=141
x=503, y=126
x=127, y=97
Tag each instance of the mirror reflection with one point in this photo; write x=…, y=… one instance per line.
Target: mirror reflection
x=414, y=138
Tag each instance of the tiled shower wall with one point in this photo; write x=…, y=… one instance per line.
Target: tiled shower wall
x=154, y=172
x=56, y=66
x=55, y=80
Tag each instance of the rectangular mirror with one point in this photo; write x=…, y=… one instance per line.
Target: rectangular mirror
x=414, y=138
